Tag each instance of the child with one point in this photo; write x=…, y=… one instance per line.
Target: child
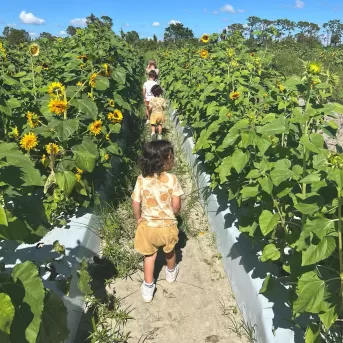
x=147, y=91
x=157, y=106
x=152, y=66
x=156, y=200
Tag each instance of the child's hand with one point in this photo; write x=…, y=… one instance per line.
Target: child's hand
x=139, y=220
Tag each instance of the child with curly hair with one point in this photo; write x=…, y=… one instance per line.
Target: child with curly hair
x=157, y=106
x=156, y=200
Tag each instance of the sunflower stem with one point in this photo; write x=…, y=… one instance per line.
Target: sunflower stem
x=33, y=77
x=65, y=111
x=52, y=159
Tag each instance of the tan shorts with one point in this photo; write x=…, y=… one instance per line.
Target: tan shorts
x=148, y=239
x=156, y=118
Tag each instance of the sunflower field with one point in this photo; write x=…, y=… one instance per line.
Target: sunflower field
x=260, y=136
x=62, y=103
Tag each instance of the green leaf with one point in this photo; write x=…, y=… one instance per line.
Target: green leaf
x=268, y=222
x=224, y=169
x=102, y=83
x=270, y=252
x=312, y=334
x=316, y=253
x=114, y=149
x=85, y=161
x=329, y=317
x=28, y=298
x=280, y=175
x=6, y=317
x=229, y=140
x=119, y=74
x=267, y=284
x=115, y=128
x=54, y=326
x=240, y=160
x=307, y=208
x=64, y=128
x=84, y=278
x=313, y=177
x=87, y=145
x=320, y=227
x=249, y=192
x=66, y=181
x=13, y=103
x=86, y=105
x=277, y=126
x=121, y=102
x=310, y=290
x=3, y=217
x=266, y=185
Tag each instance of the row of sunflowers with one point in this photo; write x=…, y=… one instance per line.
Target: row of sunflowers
x=62, y=106
x=260, y=136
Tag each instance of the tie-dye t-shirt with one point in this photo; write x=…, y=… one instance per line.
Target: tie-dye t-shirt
x=155, y=195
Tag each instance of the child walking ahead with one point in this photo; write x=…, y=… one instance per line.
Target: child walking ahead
x=156, y=200
x=147, y=91
x=157, y=106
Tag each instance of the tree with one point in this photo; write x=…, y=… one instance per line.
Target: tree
x=46, y=35
x=132, y=37
x=15, y=37
x=176, y=32
x=155, y=38
x=71, y=30
x=334, y=30
x=107, y=21
x=285, y=25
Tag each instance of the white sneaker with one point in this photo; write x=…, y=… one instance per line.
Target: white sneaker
x=147, y=121
x=159, y=137
x=147, y=292
x=171, y=276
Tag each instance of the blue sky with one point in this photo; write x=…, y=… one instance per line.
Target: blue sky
x=152, y=17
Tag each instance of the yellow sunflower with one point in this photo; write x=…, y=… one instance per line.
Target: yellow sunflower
x=29, y=141
x=34, y=49
x=56, y=87
x=95, y=127
x=111, y=103
x=281, y=87
x=231, y=52
x=57, y=106
x=79, y=84
x=60, y=40
x=116, y=116
x=234, y=64
x=235, y=95
x=203, y=53
x=92, y=80
x=83, y=57
x=106, y=157
x=32, y=119
x=90, y=95
x=55, y=149
x=205, y=38
x=107, y=70
x=43, y=159
x=314, y=68
x=15, y=132
x=107, y=136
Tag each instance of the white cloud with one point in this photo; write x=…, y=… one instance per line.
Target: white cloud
x=155, y=23
x=215, y=12
x=79, y=22
x=240, y=11
x=33, y=34
x=299, y=4
x=29, y=18
x=127, y=24
x=228, y=8
x=62, y=33
x=173, y=21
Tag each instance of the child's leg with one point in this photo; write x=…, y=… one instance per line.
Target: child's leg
x=147, y=112
x=159, y=128
x=153, y=129
x=149, y=265
x=171, y=259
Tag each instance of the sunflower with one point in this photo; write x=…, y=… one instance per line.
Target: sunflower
x=79, y=84
x=314, y=68
x=43, y=159
x=55, y=148
x=281, y=87
x=83, y=57
x=15, y=132
x=107, y=137
x=34, y=49
x=203, y=53
x=29, y=141
x=205, y=38
x=90, y=95
x=106, y=157
x=107, y=70
x=92, y=81
x=234, y=64
x=116, y=116
x=56, y=87
x=45, y=66
x=235, y=95
x=57, y=106
x=60, y=40
x=95, y=127
x=32, y=119
x=111, y=103
x=231, y=52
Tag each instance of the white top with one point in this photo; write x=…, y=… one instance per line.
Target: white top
x=147, y=86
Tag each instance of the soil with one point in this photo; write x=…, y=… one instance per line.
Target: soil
x=199, y=306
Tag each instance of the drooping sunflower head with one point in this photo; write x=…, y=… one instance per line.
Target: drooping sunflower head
x=111, y=103
x=29, y=141
x=314, y=68
x=204, y=53
x=234, y=95
x=32, y=119
x=45, y=66
x=92, y=80
x=58, y=106
x=95, y=127
x=34, y=49
x=56, y=88
x=55, y=148
x=205, y=38
x=116, y=116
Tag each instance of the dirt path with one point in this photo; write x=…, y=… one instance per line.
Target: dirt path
x=199, y=307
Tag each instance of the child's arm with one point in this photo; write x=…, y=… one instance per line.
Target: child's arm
x=136, y=206
x=176, y=205
x=144, y=92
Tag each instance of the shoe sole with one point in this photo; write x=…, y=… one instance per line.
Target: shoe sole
x=146, y=300
x=171, y=281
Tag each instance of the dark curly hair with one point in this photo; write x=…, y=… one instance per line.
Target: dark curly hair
x=156, y=90
x=156, y=155
x=152, y=74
